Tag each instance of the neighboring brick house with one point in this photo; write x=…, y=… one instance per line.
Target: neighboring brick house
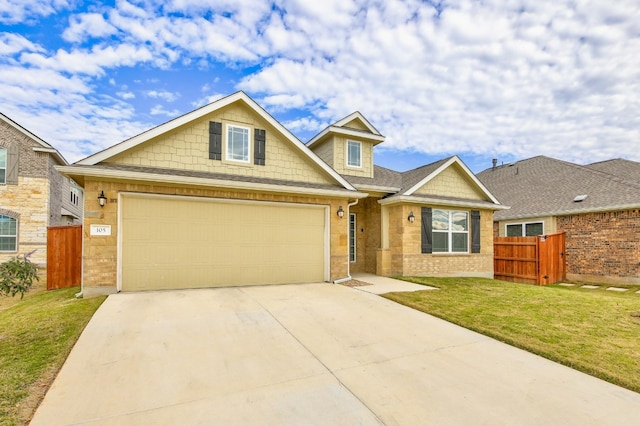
x=33, y=195
x=597, y=206
x=226, y=195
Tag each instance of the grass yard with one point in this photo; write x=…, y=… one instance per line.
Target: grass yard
x=36, y=336
x=594, y=331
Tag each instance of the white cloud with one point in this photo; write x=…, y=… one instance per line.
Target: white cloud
x=164, y=95
x=25, y=11
x=160, y=110
x=11, y=44
x=496, y=78
x=86, y=26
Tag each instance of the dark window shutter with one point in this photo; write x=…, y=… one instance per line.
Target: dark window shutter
x=215, y=140
x=475, y=231
x=259, y=138
x=12, y=164
x=427, y=233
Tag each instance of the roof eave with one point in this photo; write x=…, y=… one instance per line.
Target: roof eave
x=574, y=211
x=409, y=199
x=97, y=172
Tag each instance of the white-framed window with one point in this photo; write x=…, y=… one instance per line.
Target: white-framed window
x=238, y=144
x=352, y=237
x=354, y=154
x=526, y=229
x=3, y=165
x=450, y=231
x=8, y=233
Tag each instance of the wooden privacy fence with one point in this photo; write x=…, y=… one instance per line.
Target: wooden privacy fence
x=64, y=256
x=533, y=260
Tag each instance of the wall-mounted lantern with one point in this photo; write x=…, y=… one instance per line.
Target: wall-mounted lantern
x=102, y=200
x=340, y=212
x=411, y=217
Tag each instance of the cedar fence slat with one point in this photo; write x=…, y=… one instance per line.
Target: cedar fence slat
x=64, y=256
x=532, y=260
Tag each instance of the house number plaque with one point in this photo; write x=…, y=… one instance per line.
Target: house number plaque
x=101, y=230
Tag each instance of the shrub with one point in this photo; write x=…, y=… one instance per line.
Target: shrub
x=17, y=275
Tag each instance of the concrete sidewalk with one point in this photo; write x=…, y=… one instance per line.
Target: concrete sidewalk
x=381, y=285
x=316, y=354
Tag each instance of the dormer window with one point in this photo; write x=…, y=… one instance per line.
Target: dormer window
x=354, y=154
x=238, y=144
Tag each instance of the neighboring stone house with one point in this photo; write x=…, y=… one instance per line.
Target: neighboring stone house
x=33, y=195
x=226, y=195
x=597, y=206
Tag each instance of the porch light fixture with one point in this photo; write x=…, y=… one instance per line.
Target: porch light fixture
x=411, y=217
x=340, y=212
x=102, y=200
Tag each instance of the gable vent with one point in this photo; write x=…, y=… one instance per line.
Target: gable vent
x=580, y=198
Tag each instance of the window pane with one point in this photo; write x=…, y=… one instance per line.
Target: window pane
x=533, y=229
x=460, y=242
x=440, y=220
x=3, y=158
x=352, y=237
x=7, y=226
x=238, y=144
x=460, y=221
x=514, y=230
x=353, y=154
x=2, y=176
x=7, y=243
x=440, y=242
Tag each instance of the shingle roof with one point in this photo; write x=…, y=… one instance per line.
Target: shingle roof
x=543, y=186
x=625, y=169
x=383, y=177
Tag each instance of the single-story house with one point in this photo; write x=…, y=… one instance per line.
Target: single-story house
x=33, y=195
x=597, y=206
x=226, y=195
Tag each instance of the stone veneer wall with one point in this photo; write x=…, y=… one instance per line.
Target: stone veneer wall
x=405, y=249
x=368, y=234
x=603, y=247
x=100, y=253
x=29, y=201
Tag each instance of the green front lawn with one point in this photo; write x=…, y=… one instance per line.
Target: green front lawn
x=36, y=336
x=594, y=331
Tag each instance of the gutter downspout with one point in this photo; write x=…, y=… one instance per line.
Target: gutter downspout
x=348, y=277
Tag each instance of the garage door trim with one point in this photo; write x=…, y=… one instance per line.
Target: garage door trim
x=124, y=195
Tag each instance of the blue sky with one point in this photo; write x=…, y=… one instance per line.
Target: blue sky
x=481, y=79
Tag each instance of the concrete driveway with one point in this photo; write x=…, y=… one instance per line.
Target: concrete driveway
x=309, y=354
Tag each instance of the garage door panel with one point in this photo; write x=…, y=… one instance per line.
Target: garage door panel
x=183, y=242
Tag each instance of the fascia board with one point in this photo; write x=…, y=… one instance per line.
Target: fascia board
x=378, y=138
x=218, y=183
x=56, y=154
x=574, y=212
x=353, y=116
x=404, y=199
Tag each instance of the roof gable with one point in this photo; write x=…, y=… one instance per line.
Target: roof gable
x=40, y=145
x=448, y=177
x=354, y=125
x=171, y=144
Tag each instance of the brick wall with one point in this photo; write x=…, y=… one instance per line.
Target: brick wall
x=603, y=246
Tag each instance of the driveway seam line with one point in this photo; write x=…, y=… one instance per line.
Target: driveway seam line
x=316, y=357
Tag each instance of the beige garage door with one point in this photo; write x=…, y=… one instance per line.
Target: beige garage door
x=186, y=242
